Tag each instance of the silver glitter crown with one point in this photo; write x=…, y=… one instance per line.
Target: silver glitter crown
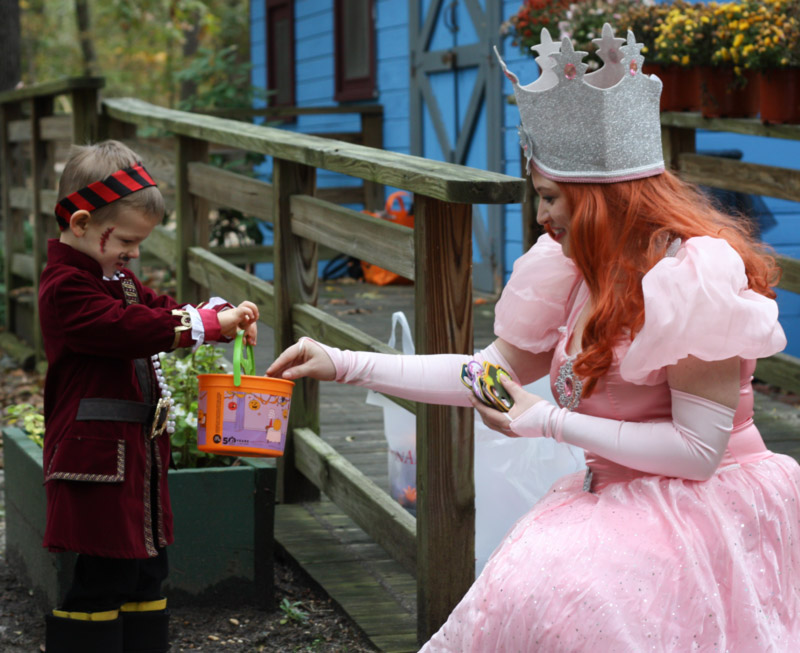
x=603, y=126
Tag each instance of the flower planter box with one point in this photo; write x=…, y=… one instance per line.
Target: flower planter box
x=224, y=520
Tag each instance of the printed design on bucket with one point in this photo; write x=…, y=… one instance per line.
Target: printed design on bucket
x=242, y=414
x=254, y=419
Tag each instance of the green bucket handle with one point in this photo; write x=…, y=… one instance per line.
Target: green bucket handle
x=248, y=363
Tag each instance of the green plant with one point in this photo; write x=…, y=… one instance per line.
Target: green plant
x=180, y=372
x=293, y=611
x=29, y=418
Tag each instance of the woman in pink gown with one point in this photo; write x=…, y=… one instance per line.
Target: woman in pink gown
x=648, y=309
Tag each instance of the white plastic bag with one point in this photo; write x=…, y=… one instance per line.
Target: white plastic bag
x=400, y=427
x=511, y=475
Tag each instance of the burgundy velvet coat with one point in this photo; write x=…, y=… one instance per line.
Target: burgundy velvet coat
x=101, y=476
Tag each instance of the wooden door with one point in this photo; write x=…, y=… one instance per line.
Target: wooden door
x=456, y=106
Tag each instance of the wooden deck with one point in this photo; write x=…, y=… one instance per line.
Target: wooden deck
x=377, y=593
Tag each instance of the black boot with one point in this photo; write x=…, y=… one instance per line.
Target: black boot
x=145, y=630
x=80, y=633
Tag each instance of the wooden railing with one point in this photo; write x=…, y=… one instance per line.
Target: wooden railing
x=437, y=254
x=679, y=137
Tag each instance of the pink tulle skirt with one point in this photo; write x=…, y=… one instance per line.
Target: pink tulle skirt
x=649, y=564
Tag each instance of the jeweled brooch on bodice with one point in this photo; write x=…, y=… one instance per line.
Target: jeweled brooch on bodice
x=568, y=385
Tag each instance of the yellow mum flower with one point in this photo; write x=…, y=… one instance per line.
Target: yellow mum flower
x=737, y=41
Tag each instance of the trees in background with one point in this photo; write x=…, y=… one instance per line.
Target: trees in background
x=165, y=51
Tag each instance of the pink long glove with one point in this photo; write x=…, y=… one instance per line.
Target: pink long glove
x=691, y=446
x=432, y=379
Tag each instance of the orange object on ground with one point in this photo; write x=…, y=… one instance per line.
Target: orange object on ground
x=373, y=273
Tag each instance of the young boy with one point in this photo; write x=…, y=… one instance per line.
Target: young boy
x=106, y=446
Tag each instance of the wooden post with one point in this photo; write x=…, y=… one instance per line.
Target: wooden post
x=445, y=487
x=372, y=134
x=85, y=116
x=531, y=229
x=295, y=281
x=675, y=141
x=13, y=234
x=191, y=215
x=42, y=106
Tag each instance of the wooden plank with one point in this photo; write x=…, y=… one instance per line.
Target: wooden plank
x=47, y=201
x=246, y=254
x=296, y=282
x=674, y=142
x=57, y=87
x=85, y=115
x=23, y=266
x=345, y=137
x=382, y=518
x=41, y=109
x=372, y=129
x=19, y=131
x=435, y=179
x=21, y=198
x=56, y=128
x=739, y=176
x=161, y=244
x=372, y=589
x=782, y=370
x=368, y=238
x=276, y=112
x=750, y=126
x=790, y=273
x=341, y=194
x=191, y=217
x=445, y=487
x=231, y=190
x=226, y=280
x=13, y=237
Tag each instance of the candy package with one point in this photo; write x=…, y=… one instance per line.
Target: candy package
x=484, y=381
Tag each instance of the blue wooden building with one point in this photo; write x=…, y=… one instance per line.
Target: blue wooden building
x=429, y=63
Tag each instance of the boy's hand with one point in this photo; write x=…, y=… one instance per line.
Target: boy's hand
x=244, y=317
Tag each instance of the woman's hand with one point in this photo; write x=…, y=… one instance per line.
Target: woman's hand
x=244, y=317
x=304, y=358
x=499, y=421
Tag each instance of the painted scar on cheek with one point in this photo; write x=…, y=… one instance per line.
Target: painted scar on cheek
x=104, y=239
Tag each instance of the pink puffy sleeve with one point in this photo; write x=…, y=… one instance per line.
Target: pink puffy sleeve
x=534, y=302
x=697, y=303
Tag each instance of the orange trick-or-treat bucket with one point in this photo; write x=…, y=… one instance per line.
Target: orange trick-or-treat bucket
x=242, y=414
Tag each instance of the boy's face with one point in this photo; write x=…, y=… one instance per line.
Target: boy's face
x=116, y=241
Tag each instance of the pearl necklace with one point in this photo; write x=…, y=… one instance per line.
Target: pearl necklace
x=166, y=393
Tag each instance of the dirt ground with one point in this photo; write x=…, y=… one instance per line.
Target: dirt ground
x=312, y=622
x=307, y=621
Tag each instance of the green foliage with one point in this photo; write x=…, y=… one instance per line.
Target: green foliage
x=293, y=611
x=180, y=373
x=222, y=79
x=139, y=45
x=29, y=418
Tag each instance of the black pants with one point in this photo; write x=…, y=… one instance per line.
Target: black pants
x=103, y=584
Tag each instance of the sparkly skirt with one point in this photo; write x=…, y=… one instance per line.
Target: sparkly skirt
x=647, y=564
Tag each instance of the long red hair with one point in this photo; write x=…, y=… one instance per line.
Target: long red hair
x=621, y=230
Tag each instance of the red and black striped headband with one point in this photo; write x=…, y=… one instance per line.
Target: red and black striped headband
x=99, y=193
